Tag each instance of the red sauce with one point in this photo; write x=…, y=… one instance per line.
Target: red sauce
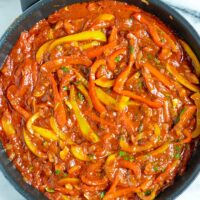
x=108, y=113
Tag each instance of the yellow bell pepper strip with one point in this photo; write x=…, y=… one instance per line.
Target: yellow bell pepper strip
x=59, y=109
x=53, y=65
x=86, y=35
x=192, y=55
x=162, y=78
x=90, y=45
x=96, y=103
x=30, y=122
x=85, y=128
x=80, y=78
x=64, y=197
x=110, y=159
x=68, y=104
x=157, y=131
x=104, y=82
x=123, y=102
x=33, y=148
x=45, y=133
x=64, y=153
x=7, y=125
x=105, y=98
x=135, y=148
x=133, y=103
x=42, y=50
x=59, y=133
x=78, y=153
x=105, y=17
x=85, y=93
x=159, y=150
x=67, y=180
x=182, y=80
x=196, y=98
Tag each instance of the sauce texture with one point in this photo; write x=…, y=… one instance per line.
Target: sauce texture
x=100, y=101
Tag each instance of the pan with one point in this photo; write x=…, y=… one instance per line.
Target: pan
x=34, y=11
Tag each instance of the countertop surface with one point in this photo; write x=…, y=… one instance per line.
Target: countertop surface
x=10, y=9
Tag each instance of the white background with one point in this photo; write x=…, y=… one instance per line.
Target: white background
x=10, y=9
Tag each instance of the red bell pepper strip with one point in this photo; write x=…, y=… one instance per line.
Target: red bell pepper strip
x=97, y=104
x=59, y=109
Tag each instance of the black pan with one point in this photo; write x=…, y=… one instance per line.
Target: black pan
x=44, y=8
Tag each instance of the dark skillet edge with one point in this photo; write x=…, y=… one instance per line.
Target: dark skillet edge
x=9, y=39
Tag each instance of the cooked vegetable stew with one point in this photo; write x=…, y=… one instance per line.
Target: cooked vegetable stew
x=100, y=101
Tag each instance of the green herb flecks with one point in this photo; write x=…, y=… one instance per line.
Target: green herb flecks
x=155, y=168
x=102, y=195
x=126, y=156
x=65, y=69
x=179, y=116
x=117, y=59
x=50, y=190
x=65, y=88
x=147, y=192
x=57, y=172
x=131, y=49
x=80, y=96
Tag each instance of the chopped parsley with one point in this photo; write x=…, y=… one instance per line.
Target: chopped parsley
x=65, y=88
x=178, y=117
x=91, y=156
x=65, y=175
x=140, y=84
x=65, y=69
x=147, y=192
x=102, y=195
x=117, y=59
x=177, y=148
x=163, y=40
x=157, y=61
x=140, y=128
x=155, y=168
x=163, y=170
x=177, y=152
x=177, y=156
x=131, y=49
x=80, y=96
x=126, y=156
x=49, y=190
x=182, y=111
x=122, y=153
x=149, y=56
x=77, y=82
x=57, y=172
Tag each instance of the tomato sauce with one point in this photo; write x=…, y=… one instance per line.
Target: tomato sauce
x=100, y=101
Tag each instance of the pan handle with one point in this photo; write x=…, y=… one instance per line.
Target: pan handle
x=27, y=3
